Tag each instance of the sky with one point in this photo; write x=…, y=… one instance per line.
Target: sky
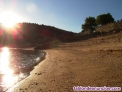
x=65, y=14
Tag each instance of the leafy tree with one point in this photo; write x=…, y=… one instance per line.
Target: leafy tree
x=104, y=19
x=89, y=23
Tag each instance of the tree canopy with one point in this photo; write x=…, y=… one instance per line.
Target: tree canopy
x=89, y=23
x=104, y=19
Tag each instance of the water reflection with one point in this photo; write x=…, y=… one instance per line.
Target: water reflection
x=7, y=78
x=16, y=64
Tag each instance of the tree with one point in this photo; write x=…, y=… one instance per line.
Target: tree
x=89, y=23
x=104, y=19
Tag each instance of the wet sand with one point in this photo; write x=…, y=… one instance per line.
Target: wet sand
x=86, y=63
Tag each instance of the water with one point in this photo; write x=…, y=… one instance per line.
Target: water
x=16, y=64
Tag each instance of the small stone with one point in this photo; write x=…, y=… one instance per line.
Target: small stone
x=39, y=73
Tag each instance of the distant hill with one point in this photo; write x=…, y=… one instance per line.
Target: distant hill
x=31, y=34
x=44, y=36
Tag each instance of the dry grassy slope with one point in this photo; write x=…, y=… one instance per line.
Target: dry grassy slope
x=113, y=42
x=83, y=63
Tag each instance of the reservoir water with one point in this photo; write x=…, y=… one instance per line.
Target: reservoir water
x=16, y=64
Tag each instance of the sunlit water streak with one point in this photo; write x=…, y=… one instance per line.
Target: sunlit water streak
x=7, y=77
x=8, y=66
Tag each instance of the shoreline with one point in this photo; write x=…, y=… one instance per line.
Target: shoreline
x=95, y=62
x=26, y=71
x=24, y=80
x=61, y=70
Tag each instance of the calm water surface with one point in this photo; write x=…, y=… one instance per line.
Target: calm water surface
x=16, y=64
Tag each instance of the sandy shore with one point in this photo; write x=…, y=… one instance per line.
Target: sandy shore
x=75, y=64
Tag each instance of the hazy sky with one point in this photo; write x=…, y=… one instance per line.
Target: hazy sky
x=64, y=14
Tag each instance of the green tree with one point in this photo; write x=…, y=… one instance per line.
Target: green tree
x=89, y=23
x=104, y=19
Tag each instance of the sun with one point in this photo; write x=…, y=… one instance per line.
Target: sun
x=9, y=19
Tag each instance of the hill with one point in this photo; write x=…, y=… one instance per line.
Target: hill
x=31, y=34
x=26, y=35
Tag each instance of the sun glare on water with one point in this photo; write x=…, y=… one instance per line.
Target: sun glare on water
x=9, y=19
x=8, y=78
x=4, y=61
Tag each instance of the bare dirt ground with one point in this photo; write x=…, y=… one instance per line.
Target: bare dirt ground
x=93, y=62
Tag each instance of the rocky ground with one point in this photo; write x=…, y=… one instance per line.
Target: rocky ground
x=92, y=62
